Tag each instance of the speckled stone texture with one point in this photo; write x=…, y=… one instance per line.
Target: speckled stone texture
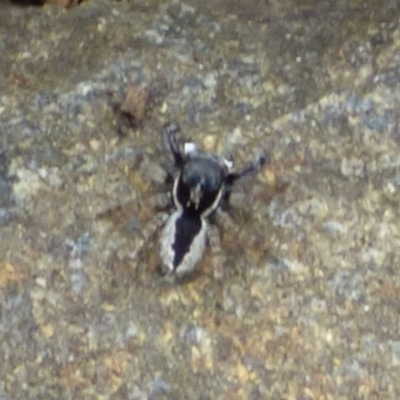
x=307, y=304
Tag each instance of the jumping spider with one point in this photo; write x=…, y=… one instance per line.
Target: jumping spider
x=202, y=182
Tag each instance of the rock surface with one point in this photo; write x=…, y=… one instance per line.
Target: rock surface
x=308, y=305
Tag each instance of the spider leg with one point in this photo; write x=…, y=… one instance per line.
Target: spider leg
x=169, y=133
x=121, y=213
x=224, y=219
x=160, y=201
x=218, y=257
x=144, y=238
x=153, y=172
x=236, y=231
x=254, y=166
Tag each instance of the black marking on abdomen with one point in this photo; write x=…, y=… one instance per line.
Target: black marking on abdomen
x=187, y=227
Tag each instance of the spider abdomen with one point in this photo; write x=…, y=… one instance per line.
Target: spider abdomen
x=182, y=243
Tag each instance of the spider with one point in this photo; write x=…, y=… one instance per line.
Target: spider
x=202, y=182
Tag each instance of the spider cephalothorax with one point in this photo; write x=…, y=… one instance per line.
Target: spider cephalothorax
x=202, y=181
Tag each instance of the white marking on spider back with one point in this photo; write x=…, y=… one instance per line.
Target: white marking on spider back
x=175, y=193
x=228, y=163
x=167, y=253
x=189, y=148
x=214, y=205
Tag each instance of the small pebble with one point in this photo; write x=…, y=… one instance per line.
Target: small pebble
x=210, y=142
